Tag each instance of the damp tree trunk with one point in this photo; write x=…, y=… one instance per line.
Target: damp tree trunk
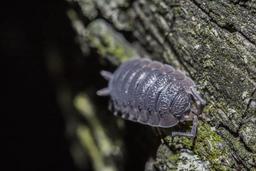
x=214, y=42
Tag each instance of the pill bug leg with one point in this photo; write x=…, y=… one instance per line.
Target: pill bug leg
x=192, y=133
x=115, y=113
x=124, y=115
x=110, y=105
x=143, y=117
x=133, y=115
x=153, y=119
x=159, y=133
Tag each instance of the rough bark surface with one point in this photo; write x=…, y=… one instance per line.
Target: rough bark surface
x=214, y=42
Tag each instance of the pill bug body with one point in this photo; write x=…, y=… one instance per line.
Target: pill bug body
x=151, y=93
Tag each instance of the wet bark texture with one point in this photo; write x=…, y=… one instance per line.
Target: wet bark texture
x=214, y=42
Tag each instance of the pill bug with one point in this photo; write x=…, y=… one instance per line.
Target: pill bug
x=154, y=94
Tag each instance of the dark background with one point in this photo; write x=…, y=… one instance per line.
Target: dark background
x=33, y=129
x=34, y=135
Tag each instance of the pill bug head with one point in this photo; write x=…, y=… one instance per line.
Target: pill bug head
x=181, y=105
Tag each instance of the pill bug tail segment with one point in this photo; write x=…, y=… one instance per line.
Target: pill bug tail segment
x=103, y=92
x=107, y=75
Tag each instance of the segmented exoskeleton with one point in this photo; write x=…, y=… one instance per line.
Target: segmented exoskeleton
x=153, y=93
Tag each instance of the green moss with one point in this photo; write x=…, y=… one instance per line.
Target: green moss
x=83, y=104
x=174, y=157
x=166, y=158
x=108, y=43
x=248, y=157
x=169, y=159
x=209, y=108
x=208, y=145
x=208, y=63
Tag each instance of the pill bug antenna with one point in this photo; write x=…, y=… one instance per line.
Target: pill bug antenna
x=107, y=75
x=198, y=99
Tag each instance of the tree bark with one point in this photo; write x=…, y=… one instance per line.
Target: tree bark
x=214, y=42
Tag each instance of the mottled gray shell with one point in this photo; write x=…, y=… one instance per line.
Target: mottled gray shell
x=149, y=92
